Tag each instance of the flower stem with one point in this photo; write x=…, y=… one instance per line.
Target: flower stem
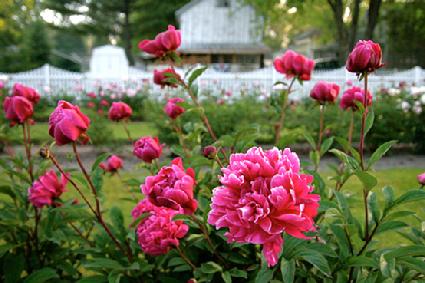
x=322, y=114
x=364, y=115
x=27, y=143
x=179, y=132
x=185, y=258
x=127, y=131
x=283, y=112
x=366, y=214
x=350, y=129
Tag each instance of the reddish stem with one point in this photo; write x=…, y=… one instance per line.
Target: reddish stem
x=364, y=115
x=322, y=112
x=283, y=113
x=350, y=129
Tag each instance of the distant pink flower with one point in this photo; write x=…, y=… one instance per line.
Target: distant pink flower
x=365, y=57
x=104, y=102
x=47, y=188
x=421, y=179
x=172, y=187
x=27, y=92
x=147, y=149
x=120, y=111
x=17, y=109
x=263, y=195
x=161, y=77
x=209, y=151
x=353, y=95
x=2, y=85
x=293, y=64
x=172, y=109
x=92, y=94
x=349, y=83
x=324, y=92
x=113, y=164
x=164, y=42
x=91, y=104
x=158, y=233
x=68, y=124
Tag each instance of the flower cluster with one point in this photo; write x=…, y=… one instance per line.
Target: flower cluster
x=293, y=64
x=46, y=189
x=262, y=195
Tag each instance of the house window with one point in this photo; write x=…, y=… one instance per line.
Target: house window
x=223, y=3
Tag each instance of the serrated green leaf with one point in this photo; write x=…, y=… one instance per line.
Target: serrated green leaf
x=380, y=152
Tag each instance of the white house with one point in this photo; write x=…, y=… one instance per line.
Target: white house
x=224, y=33
x=108, y=61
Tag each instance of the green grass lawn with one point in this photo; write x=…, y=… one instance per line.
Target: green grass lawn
x=40, y=132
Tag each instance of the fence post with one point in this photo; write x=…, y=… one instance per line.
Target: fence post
x=47, y=76
x=418, y=72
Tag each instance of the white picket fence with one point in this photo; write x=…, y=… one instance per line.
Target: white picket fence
x=50, y=81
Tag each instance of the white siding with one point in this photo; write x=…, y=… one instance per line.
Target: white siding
x=204, y=22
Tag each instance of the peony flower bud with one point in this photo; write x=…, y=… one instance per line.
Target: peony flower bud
x=27, y=92
x=366, y=57
x=172, y=109
x=325, y=92
x=112, y=164
x=293, y=64
x=68, y=124
x=119, y=111
x=147, y=149
x=209, y=152
x=421, y=179
x=165, y=42
x=17, y=109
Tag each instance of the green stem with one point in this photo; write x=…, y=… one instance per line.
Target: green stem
x=283, y=112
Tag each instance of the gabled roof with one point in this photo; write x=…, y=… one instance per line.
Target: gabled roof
x=187, y=7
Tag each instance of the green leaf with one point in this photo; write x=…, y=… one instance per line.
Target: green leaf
x=362, y=261
x=41, y=275
x=346, y=159
x=380, y=152
x=287, y=268
x=176, y=261
x=102, y=263
x=315, y=157
x=413, y=263
x=316, y=259
x=341, y=239
x=93, y=279
x=368, y=181
x=399, y=214
x=210, y=267
x=414, y=250
x=348, y=148
x=388, y=196
x=387, y=265
x=264, y=275
x=139, y=219
x=372, y=203
x=226, y=277
x=238, y=273
x=390, y=225
x=369, y=121
x=195, y=74
x=114, y=277
x=7, y=190
x=327, y=143
x=99, y=160
x=310, y=140
x=411, y=195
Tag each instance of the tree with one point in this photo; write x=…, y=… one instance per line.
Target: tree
x=35, y=45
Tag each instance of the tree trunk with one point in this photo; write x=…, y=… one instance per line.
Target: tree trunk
x=127, y=33
x=372, y=17
x=338, y=13
x=354, y=24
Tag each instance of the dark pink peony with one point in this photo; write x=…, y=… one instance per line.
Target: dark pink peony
x=112, y=164
x=164, y=42
x=104, y=102
x=120, y=111
x=263, y=195
x=209, y=151
x=68, y=124
x=158, y=233
x=353, y=95
x=421, y=179
x=47, y=188
x=17, y=109
x=325, y=92
x=293, y=64
x=172, y=109
x=160, y=77
x=91, y=94
x=172, y=187
x=27, y=92
x=147, y=149
x=366, y=57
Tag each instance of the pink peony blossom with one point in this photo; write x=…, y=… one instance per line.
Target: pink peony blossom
x=172, y=109
x=68, y=124
x=353, y=95
x=17, y=109
x=104, y=102
x=365, y=57
x=421, y=179
x=160, y=77
x=91, y=94
x=293, y=64
x=120, y=111
x=172, y=187
x=262, y=195
x=147, y=149
x=112, y=164
x=27, y=92
x=91, y=104
x=164, y=42
x=47, y=188
x=324, y=92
